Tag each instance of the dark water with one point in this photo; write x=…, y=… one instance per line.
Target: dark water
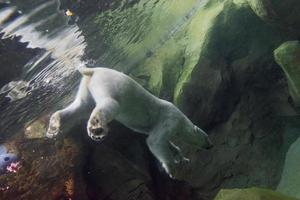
x=95, y=33
x=49, y=75
x=43, y=43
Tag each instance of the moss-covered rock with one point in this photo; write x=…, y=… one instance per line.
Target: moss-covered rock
x=290, y=179
x=251, y=194
x=219, y=69
x=288, y=57
x=281, y=13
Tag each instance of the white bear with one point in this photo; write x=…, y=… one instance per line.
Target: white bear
x=108, y=94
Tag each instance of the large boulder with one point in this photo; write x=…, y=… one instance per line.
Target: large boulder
x=287, y=56
x=290, y=179
x=221, y=73
x=251, y=194
x=284, y=14
x=219, y=69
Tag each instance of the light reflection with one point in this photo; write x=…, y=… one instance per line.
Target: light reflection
x=65, y=44
x=47, y=76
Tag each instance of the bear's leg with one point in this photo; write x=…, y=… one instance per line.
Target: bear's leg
x=105, y=111
x=161, y=148
x=72, y=113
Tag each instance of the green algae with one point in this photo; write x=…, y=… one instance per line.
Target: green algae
x=251, y=194
x=287, y=56
x=290, y=179
x=198, y=30
x=131, y=33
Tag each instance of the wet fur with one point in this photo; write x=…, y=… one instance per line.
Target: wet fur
x=107, y=94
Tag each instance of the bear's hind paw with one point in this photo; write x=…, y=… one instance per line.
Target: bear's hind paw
x=97, y=130
x=54, y=126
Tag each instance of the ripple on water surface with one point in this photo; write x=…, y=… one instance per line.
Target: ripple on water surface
x=48, y=76
x=63, y=33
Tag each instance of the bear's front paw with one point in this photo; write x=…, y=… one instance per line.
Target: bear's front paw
x=97, y=130
x=180, y=159
x=54, y=125
x=173, y=168
x=170, y=169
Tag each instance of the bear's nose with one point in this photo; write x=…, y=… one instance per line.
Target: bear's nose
x=98, y=131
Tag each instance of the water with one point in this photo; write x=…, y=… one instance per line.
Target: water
x=48, y=75
x=211, y=62
x=42, y=44
x=109, y=34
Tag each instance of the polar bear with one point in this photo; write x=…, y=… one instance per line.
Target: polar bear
x=108, y=94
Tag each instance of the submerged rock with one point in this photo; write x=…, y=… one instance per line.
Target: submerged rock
x=219, y=69
x=290, y=179
x=49, y=171
x=287, y=56
x=284, y=14
x=251, y=194
x=37, y=128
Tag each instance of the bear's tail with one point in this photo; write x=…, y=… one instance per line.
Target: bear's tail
x=86, y=71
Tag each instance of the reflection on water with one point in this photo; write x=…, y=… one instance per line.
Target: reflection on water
x=125, y=37
x=118, y=35
x=53, y=39
x=49, y=75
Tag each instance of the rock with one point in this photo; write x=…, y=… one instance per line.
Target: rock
x=116, y=178
x=287, y=56
x=221, y=84
x=54, y=171
x=284, y=14
x=290, y=178
x=115, y=170
x=37, y=128
x=250, y=194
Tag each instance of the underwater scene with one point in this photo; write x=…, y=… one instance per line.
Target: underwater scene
x=149, y=100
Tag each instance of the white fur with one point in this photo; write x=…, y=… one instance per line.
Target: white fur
x=108, y=94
